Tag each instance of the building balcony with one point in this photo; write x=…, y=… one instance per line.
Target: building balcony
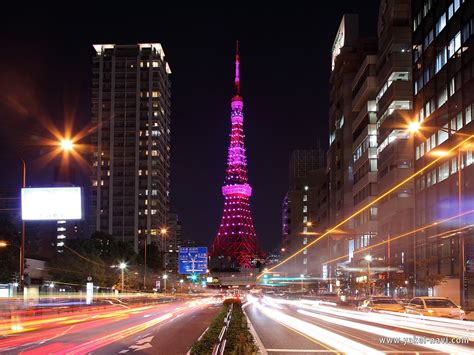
x=399, y=91
x=366, y=92
x=396, y=62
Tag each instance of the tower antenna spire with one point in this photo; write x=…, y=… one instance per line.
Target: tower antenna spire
x=237, y=78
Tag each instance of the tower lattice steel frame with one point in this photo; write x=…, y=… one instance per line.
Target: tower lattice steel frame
x=236, y=237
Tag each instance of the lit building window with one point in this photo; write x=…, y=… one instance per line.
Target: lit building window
x=305, y=240
x=305, y=197
x=305, y=209
x=305, y=219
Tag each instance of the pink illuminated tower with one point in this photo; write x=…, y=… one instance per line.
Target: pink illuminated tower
x=236, y=238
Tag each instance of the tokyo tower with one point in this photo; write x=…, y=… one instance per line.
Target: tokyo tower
x=236, y=238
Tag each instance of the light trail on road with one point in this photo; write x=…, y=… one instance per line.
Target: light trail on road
x=351, y=331
x=89, y=330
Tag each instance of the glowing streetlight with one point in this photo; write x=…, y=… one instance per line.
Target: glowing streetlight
x=66, y=145
x=413, y=126
x=3, y=244
x=309, y=224
x=122, y=267
x=283, y=249
x=163, y=231
x=181, y=285
x=302, y=282
x=165, y=277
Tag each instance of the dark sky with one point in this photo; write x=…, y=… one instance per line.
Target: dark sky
x=285, y=63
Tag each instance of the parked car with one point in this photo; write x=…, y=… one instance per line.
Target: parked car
x=381, y=303
x=435, y=307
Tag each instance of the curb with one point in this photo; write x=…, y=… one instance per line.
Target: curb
x=261, y=348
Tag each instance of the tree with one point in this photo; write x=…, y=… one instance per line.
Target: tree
x=78, y=261
x=429, y=278
x=97, y=257
x=10, y=254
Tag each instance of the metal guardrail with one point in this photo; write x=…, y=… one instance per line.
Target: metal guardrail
x=220, y=346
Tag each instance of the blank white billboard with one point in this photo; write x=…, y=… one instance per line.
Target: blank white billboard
x=51, y=203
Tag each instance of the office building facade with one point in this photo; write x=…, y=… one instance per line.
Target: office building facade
x=443, y=88
x=347, y=129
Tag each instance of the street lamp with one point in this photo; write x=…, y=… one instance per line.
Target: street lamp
x=368, y=258
x=181, y=285
x=122, y=267
x=302, y=282
x=66, y=145
x=165, y=277
x=163, y=233
x=414, y=127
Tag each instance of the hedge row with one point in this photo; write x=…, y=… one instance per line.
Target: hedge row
x=239, y=338
x=205, y=345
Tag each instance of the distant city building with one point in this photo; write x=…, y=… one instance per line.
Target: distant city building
x=64, y=231
x=443, y=88
x=131, y=158
x=172, y=242
x=304, y=161
x=305, y=210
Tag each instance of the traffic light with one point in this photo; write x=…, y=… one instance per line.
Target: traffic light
x=194, y=277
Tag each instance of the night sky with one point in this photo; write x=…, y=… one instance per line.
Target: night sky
x=45, y=74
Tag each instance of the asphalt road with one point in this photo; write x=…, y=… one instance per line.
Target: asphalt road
x=154, y=329
x=292, y=327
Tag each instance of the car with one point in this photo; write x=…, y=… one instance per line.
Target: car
x=381, y=303
x=435, y=307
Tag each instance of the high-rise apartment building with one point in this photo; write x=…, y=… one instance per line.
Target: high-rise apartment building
x=443, y=70
x=131, y=157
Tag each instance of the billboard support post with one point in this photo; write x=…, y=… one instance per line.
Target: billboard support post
x=22, y=243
